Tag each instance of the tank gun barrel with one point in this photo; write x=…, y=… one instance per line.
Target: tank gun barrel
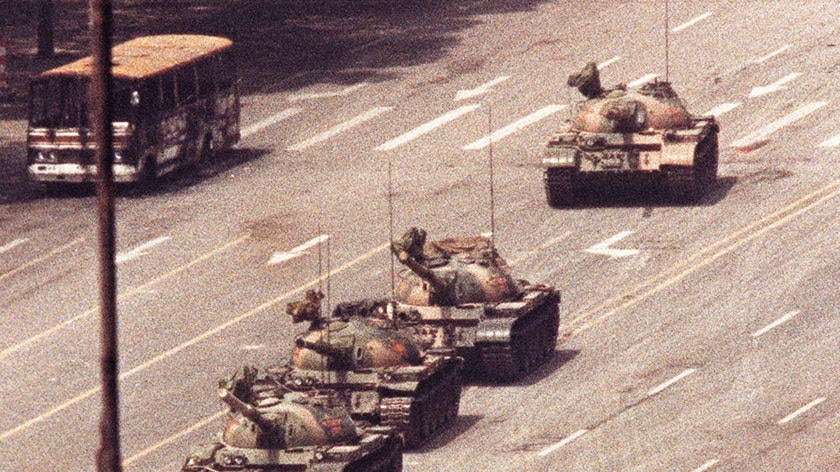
x=423, y=272
x=324, y=349
x=238, y=406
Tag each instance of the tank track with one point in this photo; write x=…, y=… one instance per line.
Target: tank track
x=533, y=340
x=387, y=459
x=433, y=408
x=559, y=187
x=689, y=184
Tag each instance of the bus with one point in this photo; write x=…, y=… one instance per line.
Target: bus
x=175, y=102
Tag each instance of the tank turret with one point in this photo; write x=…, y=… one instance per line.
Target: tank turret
x=502, y=327
x=296, y=431
x=293, y=421
x=451, y=271
x=355, y=344
x=619, y=133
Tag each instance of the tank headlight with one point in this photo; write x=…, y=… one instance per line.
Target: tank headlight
x=566, y=158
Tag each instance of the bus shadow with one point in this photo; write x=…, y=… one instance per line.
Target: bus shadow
x=194, y=174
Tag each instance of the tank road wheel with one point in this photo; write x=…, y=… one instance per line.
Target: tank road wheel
x=405, y=415
x=690, y=184
x=559, y=186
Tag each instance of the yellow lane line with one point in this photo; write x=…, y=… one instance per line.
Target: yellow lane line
x=171, y=352
x=41, y=259
x=700, y=259
x=26, y=342
x=177, y=435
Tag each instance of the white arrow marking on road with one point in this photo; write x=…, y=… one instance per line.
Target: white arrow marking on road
x=604, y=248
x=514, y=127
x=708, y=465
x=764, y=132
x=668, y=383
x=423, y=129
x=722, y=108
x=260, y=125
x=12, y=245
x=830, y=142
x=301, y=250
x=480, y=90
x=340, y=128
x=608, y=62
x=774, y=87
x=801, y=410
x=312, y=96
x=772, y=325
x=562, y=443
x=642, y=80
x=772, y=54
x=139, y=250
x=691, y=22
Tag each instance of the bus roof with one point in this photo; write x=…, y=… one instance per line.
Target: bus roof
x=147, y=56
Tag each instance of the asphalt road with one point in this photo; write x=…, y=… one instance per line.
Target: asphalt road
x=712, y=346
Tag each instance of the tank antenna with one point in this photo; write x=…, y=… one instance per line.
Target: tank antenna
x=329, y=270
x=391, y=221
x=666, y=41
x=320, y=270
x=492, y=195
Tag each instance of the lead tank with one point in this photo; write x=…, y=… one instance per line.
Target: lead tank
x=309, y=432
x=458, y=293
x=382, y=374
x=630, y=133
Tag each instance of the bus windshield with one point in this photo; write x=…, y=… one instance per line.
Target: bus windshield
x=61, y=102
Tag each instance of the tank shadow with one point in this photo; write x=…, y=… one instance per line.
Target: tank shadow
x=462, y=424
x=560, y=357
x=621, y=193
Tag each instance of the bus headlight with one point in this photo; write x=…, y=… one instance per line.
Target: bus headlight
x=45, y=156
x=118, y=157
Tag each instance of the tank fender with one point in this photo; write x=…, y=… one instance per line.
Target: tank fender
x=678, y=146
x=494, y=330
x=679, y=153
x=406, y=388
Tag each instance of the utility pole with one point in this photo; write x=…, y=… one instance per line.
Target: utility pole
x=101, y=20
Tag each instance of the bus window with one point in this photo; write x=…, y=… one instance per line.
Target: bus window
x=225, y=71
x=59, y=102
x=205, y=71
x=121, y=101
x=187, y=89
x=168, y=94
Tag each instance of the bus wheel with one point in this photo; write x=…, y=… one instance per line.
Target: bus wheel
x=208, y=152
x=148, y=170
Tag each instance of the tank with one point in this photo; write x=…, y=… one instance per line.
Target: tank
x=458, y=293
x=625, y=133
x=381, y=373
x=296, y=431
